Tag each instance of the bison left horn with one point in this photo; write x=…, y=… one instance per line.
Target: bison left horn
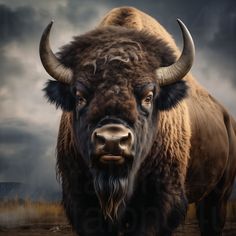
x=50, y=62
x=175, y=72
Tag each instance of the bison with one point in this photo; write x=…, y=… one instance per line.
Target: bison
x=139, y=138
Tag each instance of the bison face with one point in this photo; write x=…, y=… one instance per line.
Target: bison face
x=115, y=119
x=108, y=81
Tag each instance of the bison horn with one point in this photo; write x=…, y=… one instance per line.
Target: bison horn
x=50, y=62
x=175, y=72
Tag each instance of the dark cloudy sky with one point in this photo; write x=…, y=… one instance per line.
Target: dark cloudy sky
x=28, y=125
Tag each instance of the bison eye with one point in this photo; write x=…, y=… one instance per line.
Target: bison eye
x=147, y=100
x=81, y=101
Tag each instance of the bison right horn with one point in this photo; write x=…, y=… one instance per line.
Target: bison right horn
x=175, y=72
x=50, y=62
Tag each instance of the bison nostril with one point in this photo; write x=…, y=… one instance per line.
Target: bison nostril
x=126, y=140
x=99, y=139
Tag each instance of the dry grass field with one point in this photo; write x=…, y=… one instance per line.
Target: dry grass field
x=16, y=212
x=27, y=218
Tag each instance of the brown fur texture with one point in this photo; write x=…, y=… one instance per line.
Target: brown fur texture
x=185, y=146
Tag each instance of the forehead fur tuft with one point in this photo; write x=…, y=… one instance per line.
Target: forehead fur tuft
x=116, y=43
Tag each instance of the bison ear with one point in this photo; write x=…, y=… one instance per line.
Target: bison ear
x=170, y=95
x=60, y=94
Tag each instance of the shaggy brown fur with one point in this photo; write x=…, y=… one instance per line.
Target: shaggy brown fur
x=184, y=145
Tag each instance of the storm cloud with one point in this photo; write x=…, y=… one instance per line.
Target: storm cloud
x=28, y=142
x=26, y=157
x=29, y=125
x=18, y=24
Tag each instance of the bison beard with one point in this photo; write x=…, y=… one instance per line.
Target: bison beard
x=112, y=192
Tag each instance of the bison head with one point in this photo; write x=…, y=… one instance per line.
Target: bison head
x=114, y=82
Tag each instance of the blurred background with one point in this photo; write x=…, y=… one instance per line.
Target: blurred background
x=29, y=125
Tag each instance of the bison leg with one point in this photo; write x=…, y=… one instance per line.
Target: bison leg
x=211, y=216
x=211, y=211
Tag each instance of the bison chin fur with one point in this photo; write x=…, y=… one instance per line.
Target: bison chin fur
x=112, y=192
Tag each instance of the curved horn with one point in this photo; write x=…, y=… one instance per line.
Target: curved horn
x=175, y=72
x=50, y=62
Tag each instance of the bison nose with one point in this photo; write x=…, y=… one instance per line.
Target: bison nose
x=112, y=141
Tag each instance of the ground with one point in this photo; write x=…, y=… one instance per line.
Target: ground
x=189, y=229
x=28, y=218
